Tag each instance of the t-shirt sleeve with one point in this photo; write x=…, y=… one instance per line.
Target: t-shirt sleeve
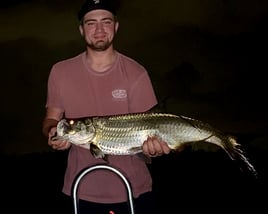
x=53, y=92
x=142, y=96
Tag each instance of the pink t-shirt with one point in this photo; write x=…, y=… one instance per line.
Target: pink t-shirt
x=82, y=92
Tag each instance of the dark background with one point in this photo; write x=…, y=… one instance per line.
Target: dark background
x=207, y=60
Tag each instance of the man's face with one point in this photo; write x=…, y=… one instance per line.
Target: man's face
x=98, y=29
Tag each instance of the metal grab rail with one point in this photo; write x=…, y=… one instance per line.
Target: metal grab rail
x=96, y=167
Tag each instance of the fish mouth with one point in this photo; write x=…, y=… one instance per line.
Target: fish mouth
x=63, y=128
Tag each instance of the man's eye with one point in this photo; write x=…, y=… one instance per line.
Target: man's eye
x=107, y=22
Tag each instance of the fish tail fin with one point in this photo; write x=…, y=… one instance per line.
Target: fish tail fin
x=235, y=152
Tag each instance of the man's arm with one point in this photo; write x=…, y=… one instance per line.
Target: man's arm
x=53, y=115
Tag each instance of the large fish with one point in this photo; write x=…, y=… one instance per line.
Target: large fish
x=125, y=134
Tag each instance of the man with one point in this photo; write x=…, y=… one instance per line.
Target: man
x=101, y=81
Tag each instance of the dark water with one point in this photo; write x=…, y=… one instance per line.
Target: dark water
x=183, y=183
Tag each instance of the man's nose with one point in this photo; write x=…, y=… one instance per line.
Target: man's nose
x=99, y=26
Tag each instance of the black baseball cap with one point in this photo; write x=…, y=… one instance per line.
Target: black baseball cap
x=90, y=5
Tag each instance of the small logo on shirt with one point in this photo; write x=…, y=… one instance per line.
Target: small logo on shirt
x=119, y=93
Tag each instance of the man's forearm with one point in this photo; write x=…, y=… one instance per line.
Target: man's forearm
x=47, y=125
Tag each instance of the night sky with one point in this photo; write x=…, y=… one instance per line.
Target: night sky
x=207, y=60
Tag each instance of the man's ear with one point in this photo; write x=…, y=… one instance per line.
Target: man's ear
x=81, y=30
x=116, y=26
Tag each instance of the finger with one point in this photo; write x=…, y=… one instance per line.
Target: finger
x=145, y=148
x=157, y=146
x=151, y=147
x=64, y=145
x=50, y=142
x=52, y=132
x=59, y=145
x=165, y=147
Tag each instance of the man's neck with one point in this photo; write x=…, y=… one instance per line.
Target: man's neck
x=100, y=60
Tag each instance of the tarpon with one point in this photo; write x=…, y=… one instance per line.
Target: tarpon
x=125, y=134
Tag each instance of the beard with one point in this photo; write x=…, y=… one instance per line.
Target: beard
x=100, y=45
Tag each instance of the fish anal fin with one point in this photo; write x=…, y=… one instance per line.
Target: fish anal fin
x=138, y=151
x=197, y=145
x=135, y=150
x=204, y=145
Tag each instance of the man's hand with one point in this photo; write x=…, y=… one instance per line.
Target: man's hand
x=57, y=144
x=154, y=147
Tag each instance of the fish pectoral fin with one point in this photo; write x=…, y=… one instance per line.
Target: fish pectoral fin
x=96, y=152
